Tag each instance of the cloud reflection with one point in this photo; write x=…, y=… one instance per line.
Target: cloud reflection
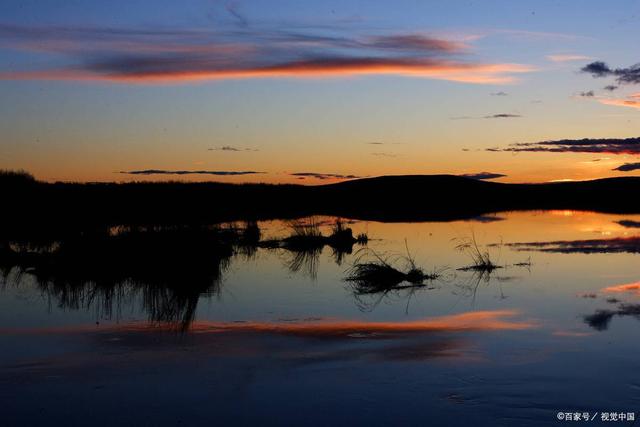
x=633, y=288
x=601, y=319
x=470, y=321
x=614, y=245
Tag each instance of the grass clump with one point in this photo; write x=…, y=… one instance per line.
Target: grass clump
x=342, y=236
x=307, y=234
x=306, y=242
x=526, y=263
x=380, y=275
x=481, y=259
x=362, y=238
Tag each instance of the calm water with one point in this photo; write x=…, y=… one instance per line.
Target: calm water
x=282, y=340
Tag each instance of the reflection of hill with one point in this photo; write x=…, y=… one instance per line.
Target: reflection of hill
x=419, y=197
x=168, y=268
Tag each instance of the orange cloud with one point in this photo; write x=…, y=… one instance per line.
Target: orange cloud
x=632, y=103
x=347, y=67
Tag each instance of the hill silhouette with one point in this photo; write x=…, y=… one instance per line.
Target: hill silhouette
x=42, y=207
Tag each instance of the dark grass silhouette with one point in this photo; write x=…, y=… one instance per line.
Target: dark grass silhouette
x=373, y=278
x=306, y=234
x=16, y=178
x=34, y=207
x=482, y=261
x=245, y=238
x=471, y=285
x=303, y=247
x=306, y=242
x=483, y=266
x=168, y=266
x=380, y=275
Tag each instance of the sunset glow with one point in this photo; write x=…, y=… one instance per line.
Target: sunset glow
x=317, y=92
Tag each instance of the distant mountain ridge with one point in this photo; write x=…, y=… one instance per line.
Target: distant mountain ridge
x=444, y=195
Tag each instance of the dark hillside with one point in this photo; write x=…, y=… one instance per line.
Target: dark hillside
x=33, y=205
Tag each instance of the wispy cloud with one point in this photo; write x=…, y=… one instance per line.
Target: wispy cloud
x=231, y=148
x=604, y=145
x=416, y=42
x=628, y=167
x=173, y=56
x=502, y=116
x=587, y=94
x=489, y=116
x=186, y=172
x=628, y=223
x=628, y=75
x=383, y=154
x=501, y=93
x=484, y=175
x=323, y=176
x=568, y=58
x=632, y=101
x=486, y=219
x=539, y=35
x=233, y=7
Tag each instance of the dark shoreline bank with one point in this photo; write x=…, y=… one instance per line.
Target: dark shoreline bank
x=32, y=205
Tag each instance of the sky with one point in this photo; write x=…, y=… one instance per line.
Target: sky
x=315, y=92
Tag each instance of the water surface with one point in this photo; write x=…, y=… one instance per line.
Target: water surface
x=273, y=337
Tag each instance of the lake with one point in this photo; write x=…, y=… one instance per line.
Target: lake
x=273, y=336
